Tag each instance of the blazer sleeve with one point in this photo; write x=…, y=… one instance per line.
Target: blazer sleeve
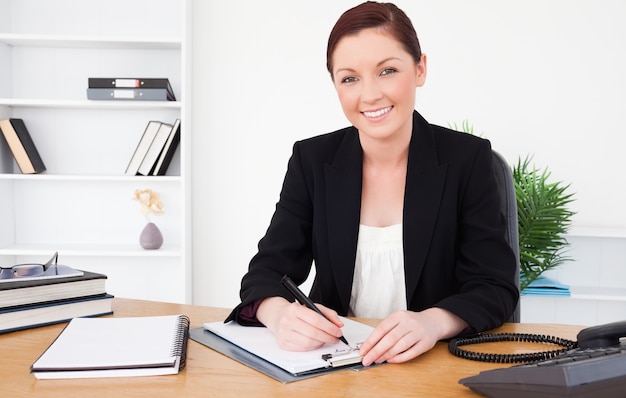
x=286, y=246
x=485, y=263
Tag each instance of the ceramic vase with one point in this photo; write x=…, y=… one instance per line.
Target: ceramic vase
x=151, y=237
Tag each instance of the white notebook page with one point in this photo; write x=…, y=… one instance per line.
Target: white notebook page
x=88, y=343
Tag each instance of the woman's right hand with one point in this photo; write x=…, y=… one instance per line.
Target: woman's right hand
x=296, y=327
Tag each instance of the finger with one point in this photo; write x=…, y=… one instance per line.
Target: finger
x=374, y=339
x=295, y=341
x=315, y=326
x=389, y=339
x=295, y=334
x=405, y=347
x=380, y=352
x=331, y=315
x=416, y=350
x=409, y=346
x=318, y=321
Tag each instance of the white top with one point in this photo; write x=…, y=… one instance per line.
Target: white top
x=378, y=287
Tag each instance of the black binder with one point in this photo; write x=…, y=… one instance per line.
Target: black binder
x=132, y=83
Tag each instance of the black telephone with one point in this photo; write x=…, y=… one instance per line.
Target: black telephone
x=602, y=335
x=594, y=365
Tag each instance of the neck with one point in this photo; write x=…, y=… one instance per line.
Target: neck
x=386, y=152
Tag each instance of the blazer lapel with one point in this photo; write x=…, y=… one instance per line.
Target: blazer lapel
x=343, y=201
x=424, y=187
x=422, y=197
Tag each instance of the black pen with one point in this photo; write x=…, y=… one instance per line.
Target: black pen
x=304, y=300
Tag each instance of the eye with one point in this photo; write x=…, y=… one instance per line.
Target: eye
x=348, y=79
x=388, y=71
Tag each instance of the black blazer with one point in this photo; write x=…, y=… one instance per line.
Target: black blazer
x=455, y=253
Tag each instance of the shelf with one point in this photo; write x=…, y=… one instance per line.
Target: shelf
x=587, y=293
x=597, y=232
x=81, y=206
x=86, y=104
x=130, y=250
x=90, y=177
x=598, y=293
x=28, y=40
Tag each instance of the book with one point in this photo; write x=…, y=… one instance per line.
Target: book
x=137, y=94
x=39, y=290
x=165, y=158
x=116, y=347
x=133, y=82
x=48, y=313
x=22, y=146
x=544, y=286
x=156, y=147
x=143, y=146
x=257, y=347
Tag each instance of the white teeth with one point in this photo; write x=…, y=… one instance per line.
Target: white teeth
x=378, y=112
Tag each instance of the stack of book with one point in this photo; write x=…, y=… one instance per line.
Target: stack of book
x=59, y=295
x=140, y=89
x=22, y=146
x=155, y=149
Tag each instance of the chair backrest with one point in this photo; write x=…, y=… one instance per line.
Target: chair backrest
x=508, y=206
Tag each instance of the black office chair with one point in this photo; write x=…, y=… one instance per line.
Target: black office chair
x=508, y=206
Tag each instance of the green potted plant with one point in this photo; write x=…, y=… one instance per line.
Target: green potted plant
x=543, y=217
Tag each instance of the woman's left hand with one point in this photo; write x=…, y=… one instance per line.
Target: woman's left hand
x=405, y=335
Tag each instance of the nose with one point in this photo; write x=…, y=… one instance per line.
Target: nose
x=371, y=91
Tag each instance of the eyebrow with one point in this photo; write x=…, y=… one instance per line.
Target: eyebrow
x=377, y=65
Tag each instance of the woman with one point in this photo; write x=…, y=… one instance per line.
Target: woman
x=400, y=217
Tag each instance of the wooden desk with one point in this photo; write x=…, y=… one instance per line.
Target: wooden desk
x=208, y=373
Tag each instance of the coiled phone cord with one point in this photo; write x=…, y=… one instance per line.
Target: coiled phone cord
x=454, y=347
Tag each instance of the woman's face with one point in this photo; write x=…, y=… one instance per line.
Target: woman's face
x=375, y=79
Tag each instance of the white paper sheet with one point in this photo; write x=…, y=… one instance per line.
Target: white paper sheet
x=261, y=342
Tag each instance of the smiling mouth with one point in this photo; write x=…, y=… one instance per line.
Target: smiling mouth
x=378, y=113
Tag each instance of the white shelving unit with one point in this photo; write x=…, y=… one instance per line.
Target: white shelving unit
x=82, y=205
x=596, y=277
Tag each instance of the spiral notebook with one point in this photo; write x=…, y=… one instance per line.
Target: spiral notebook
x=116, y=347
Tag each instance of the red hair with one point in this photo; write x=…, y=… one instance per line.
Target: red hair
x=371, y=14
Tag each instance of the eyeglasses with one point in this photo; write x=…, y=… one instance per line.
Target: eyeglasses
x=27, y=270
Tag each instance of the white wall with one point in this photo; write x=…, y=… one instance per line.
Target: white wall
x=535, y=77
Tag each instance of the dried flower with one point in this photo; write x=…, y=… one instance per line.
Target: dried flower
x=150, y=202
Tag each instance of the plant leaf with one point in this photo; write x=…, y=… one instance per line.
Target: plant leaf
x=543, y=219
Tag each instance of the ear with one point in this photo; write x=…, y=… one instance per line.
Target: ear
x=420, y=72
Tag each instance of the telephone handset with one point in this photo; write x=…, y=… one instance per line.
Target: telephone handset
x=596, y=336
x=594, y=365
x=602, y=335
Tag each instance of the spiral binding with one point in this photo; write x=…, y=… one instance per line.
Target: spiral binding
x=179, y=346
x=453, y=347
